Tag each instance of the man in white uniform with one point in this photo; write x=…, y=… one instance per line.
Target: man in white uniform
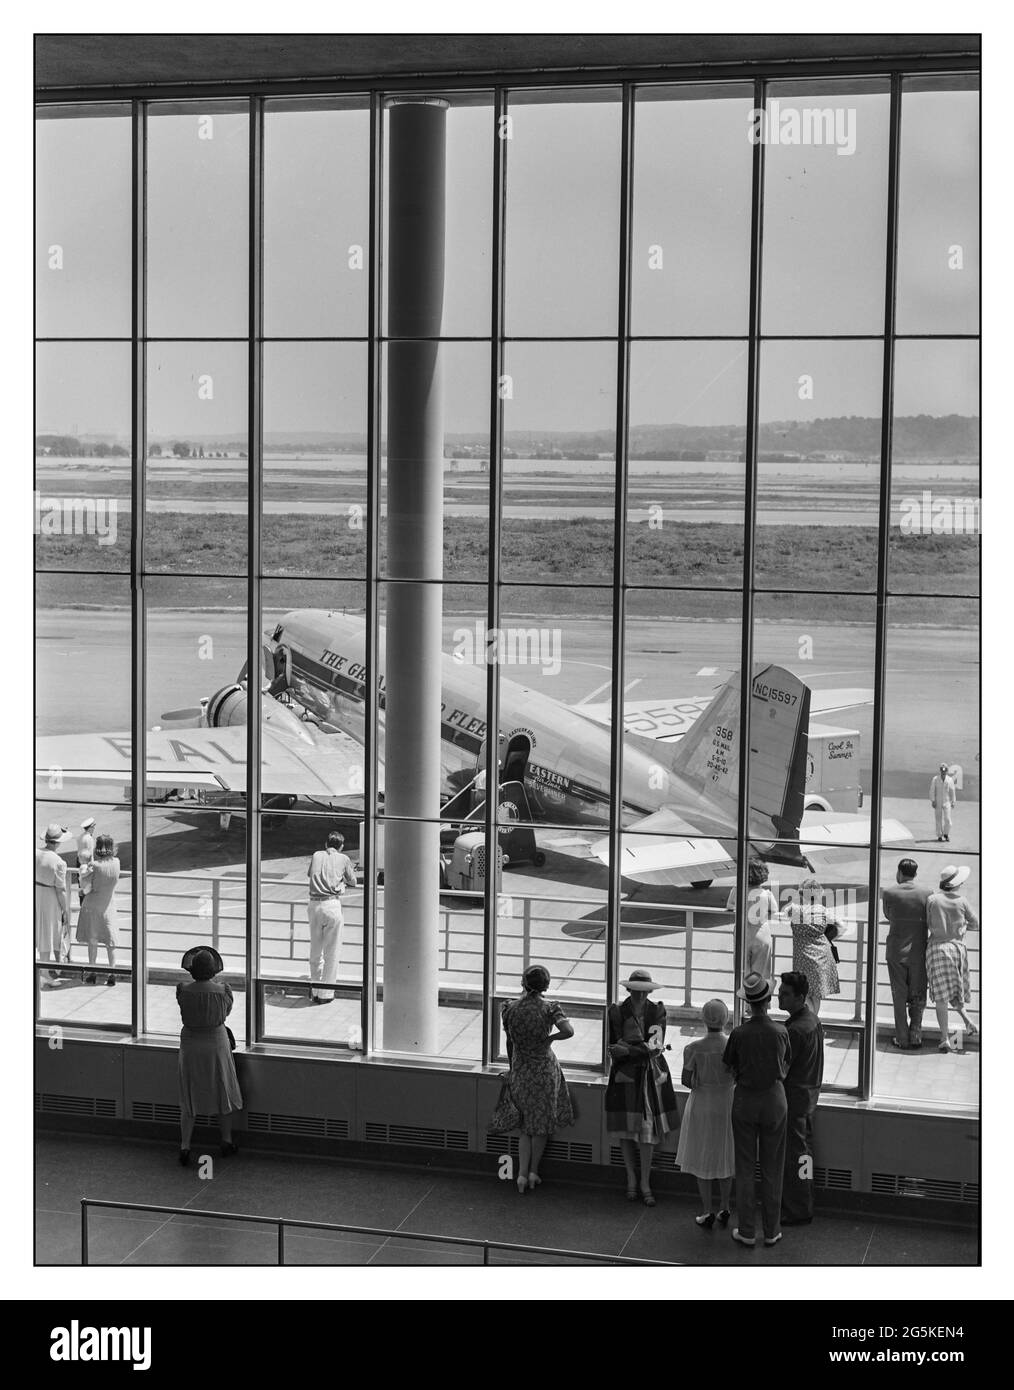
x=330, y=873
x=943, y=795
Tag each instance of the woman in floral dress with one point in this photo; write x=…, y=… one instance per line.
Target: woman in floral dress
x=535, y=1083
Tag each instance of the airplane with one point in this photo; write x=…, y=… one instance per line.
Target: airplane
x=679, y=798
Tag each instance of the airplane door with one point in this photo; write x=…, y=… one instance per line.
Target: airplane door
x=515, y=760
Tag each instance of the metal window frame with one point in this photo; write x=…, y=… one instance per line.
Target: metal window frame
x=377, y=89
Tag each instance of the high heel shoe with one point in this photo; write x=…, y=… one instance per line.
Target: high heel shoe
x=522, y=1184
x=971, y=1031
x=648, y=1198
x=534, y=1181
x=633, y=1195
x=723, y=1216
x=184, y=1158
x=706, y=1221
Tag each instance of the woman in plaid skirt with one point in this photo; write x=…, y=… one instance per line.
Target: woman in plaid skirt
x=949, y=916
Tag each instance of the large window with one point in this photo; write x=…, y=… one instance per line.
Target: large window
x=612, y=447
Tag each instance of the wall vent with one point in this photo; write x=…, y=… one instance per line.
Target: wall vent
x=96, y=1107
x=834, y=1179
x=931, y=1189
x=420, y=1136
x=661, y=1160
x=312, y=1126
x=157, y=1112
x=564, y=1150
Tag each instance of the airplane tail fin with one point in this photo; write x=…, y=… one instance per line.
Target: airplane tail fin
x=707, y=758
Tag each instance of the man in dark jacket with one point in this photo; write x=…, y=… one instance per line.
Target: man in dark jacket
x=802, y=1092
x=905, y=908
x=757, y=1054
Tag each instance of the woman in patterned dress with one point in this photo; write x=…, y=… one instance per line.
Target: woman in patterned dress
x=640, y=1102
x=812, y=926
x=949, y=915
x=535, y=1081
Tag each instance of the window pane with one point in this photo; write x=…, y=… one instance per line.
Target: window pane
x=559, y=461
x=690, y=248
x=82, y=222
x=825, y=207
x=197, y=703
x=86, y=991
x=686, y=470
x=314, y=508
x=938, y=213
x=82, y=456
x=935, y=477
x=925, y=1074
x=197, y=219
x=195, y=895
x=82, y=691
x=562, y=228
x=931, y=719
x=314, y=688
x=316, y=218
x=818, y=483
x=197, y=458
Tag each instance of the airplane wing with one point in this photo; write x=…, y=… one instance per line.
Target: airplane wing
x=667, y=720
x=328, y=766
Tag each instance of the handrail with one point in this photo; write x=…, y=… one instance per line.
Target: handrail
x=281, y=1222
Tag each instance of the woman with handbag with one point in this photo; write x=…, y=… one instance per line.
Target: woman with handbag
x=534, y=1097
x=96, y=923
x=814, y=928
x=640, y=1102
x=207, y=1072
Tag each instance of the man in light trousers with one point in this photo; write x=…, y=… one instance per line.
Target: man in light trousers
x=943, y=795
x=330, y=873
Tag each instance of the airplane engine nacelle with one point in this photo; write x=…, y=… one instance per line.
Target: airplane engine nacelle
x=229, y=706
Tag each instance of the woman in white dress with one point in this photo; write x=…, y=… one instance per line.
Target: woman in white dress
x=706, y=1145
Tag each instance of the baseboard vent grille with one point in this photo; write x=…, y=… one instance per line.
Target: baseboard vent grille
x=563, y=1150
x=931, y=1189
x=311, y=1126
x=662, y=1160
x=419, y=1136
x=96, y=1107
x=159, y=1113
x=833, y=1179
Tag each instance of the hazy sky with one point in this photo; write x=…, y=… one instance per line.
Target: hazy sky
x=823, y=267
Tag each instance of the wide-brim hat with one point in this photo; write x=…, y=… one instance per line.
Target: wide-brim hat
x=87, y=824
x=188, y=959
x=53, y=833
x=954, y=875
x=640, y=981
x=754, y=989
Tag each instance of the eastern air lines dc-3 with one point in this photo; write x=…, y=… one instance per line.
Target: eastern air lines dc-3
x=680, y=767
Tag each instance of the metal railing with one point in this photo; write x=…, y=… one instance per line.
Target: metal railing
x=282, y=1223
x=697, y=952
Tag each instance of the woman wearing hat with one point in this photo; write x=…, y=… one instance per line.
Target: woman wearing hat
x=640, y=1102
x=706, y=1147
x=207, y=1073
x=535, y=1085
x=949, y=915
x=96, y=923
x=50, y=898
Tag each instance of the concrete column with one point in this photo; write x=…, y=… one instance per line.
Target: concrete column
x=415, y=449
